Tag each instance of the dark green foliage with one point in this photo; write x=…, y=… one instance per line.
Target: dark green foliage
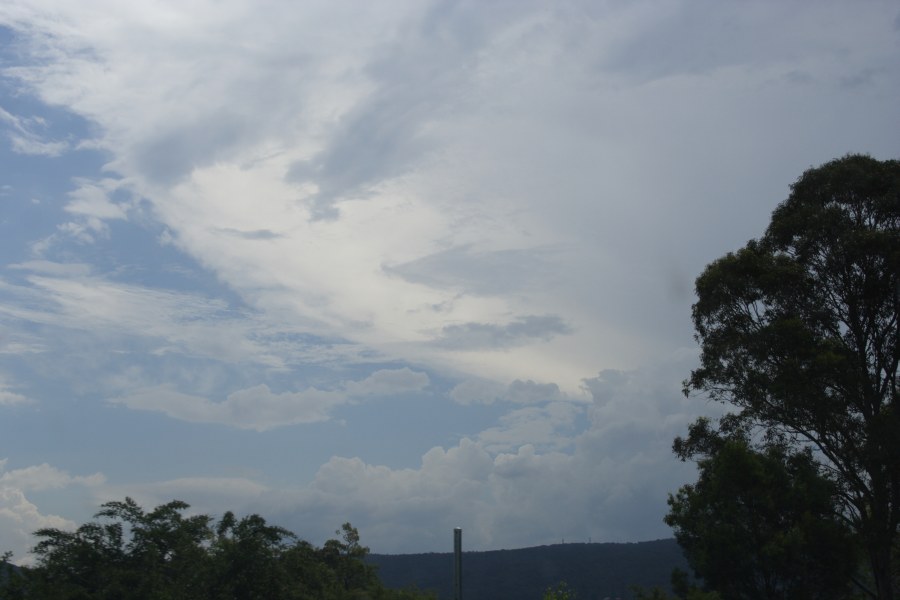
x=129, y=554
x=681, y=587
x=560, y=592
x=12, y=579
x=761, y=524
x=799, y=332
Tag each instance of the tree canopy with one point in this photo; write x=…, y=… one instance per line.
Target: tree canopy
x=799, y=334
x=761, y=523
x=126, y=553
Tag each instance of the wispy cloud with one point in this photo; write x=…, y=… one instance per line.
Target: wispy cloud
x=261, y=409
x=25, y=137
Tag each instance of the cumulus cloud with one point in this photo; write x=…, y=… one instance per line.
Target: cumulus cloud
x=547, y=426
x=45, y=477
x=598, y=470
x=20, y=517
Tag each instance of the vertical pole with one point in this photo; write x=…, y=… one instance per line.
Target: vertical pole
x=457, y=563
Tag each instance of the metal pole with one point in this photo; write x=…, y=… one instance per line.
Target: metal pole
x=457, y=563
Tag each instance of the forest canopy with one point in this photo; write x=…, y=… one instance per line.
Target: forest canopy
x=128, y=553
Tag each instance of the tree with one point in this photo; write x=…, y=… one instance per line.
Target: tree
x=761, y=523
x=247, y=559
x=12, y=584
x=127, y=553
x=799, y=333
x=560, y=592
x=346, y=558
x=681, y=586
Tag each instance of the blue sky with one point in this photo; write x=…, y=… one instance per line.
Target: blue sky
x=415, y=265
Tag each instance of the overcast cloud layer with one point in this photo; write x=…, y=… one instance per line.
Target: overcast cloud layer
x=415, y=265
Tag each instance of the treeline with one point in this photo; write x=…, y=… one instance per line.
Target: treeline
x=126, y=553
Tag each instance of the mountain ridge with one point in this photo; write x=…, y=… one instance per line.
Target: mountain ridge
x=594, y=571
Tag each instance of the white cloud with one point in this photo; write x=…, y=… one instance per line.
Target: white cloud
x=27, y=144
x=19, y=517
x=388, y=381
x=543, y=426
x=7, y=396
x=251, y=408
x=24, y=138
x=604, y=477
x=68, y=296
x=261, y=409
x=44, y=477
x=207, y=495
x=92, y=199
x=466, y=172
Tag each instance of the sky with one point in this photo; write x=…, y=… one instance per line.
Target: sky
x=412, y=264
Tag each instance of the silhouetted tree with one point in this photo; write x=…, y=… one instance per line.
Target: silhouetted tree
x=761, y=523
x=129, y=554
x=799, y=334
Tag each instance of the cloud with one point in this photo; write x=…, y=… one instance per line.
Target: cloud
x=24, y=138
x=550, y=426
x=69, y=296
x=207, y=495
x=258, y=234
x=480, y=272
x=477, y=391
x=255, y=408
x=91, y=199
x=44, y=477
x=569, y=470
x=19, y=517
x=385, y=382
x=480, y=391
x=474, y=163
x=261, y=409
x=493, y=192
x=470, y=336
x=8, y=397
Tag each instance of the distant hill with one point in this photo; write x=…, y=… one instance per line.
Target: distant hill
x=594, y=571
